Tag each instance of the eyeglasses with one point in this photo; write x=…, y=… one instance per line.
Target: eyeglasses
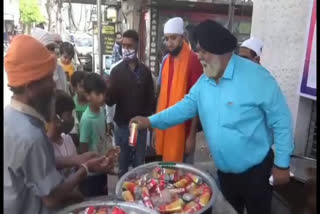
x=61, y=120
x=51, y=48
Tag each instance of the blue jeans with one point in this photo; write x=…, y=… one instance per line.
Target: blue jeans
x=130, y=155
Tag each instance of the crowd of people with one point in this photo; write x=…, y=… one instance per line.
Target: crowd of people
x=57, y=126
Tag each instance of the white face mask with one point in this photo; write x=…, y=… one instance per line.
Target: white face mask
x=128, y=54
x=212, y=69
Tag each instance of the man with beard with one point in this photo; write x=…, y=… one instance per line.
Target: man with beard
x=180, y=70
x=238, y=117
x=131, y=89
x=32, y=184
x=251, y=49
x=48, y=40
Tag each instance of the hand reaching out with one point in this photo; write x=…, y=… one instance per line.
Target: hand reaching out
x=143, y=122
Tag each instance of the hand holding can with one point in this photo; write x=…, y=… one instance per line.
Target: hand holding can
x=142, y=122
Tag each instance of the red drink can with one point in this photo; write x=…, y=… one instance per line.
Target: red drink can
x=118, y=210
x=177, y=190
x=90, y=210
x=133, y=135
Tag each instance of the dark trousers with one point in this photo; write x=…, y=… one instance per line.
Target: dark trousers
x=94, y=186
x=130, y=155
x=250, y=189
x=187, y=159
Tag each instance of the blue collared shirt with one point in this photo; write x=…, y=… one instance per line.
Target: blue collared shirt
x=29, y=168
x=238, y=116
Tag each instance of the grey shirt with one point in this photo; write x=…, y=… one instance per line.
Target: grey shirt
x=29, y=165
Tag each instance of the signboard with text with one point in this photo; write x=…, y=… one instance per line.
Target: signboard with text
x=107, y=42
x=107, y=38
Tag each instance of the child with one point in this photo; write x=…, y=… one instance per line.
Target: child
x=92, y=129
x=80, y=100
x=66, y=155
x=58, y=132
x=92, y=123
x=60, y=127
x=66, y=55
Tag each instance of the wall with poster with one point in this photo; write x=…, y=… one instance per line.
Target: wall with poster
x=309, y=77
x=283, y=26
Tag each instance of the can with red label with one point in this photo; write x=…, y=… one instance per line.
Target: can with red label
x=133, y=135
x=118, y=210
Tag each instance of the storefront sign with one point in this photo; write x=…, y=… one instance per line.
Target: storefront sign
x=107, y=38
x=153, y=39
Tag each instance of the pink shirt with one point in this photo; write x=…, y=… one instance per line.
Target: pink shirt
x=67, y=148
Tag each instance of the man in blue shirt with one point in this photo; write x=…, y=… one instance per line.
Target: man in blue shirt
x=239, y=105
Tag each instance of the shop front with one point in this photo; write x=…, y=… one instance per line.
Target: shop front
x=156, y=13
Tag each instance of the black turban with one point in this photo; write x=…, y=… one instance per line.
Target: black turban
x=214, y=38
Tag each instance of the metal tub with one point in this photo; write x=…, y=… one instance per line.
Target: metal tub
x=148, y=167
x=130, y=208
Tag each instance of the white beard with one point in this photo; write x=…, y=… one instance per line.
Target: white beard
x=211, y=70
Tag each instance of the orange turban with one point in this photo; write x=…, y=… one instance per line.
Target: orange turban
x=27, y=60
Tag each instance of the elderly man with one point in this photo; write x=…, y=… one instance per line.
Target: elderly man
x=32, y=184
x=57, y=39
x=251, y=49
x=49, y=40
x=180, y=69
x=238, y=116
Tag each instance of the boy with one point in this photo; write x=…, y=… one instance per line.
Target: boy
x=60, y=127
x=92, y=128
x=67, y=159
x=66, y=55
x=80, y=100
x=92, y=123
x=58, y=132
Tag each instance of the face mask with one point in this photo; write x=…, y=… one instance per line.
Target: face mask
x=128, y=54
x=211, y=70
x=66, y=125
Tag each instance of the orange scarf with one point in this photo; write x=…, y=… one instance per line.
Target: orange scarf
x=170, y=143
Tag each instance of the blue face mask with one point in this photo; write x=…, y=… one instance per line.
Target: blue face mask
x=128, y=54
